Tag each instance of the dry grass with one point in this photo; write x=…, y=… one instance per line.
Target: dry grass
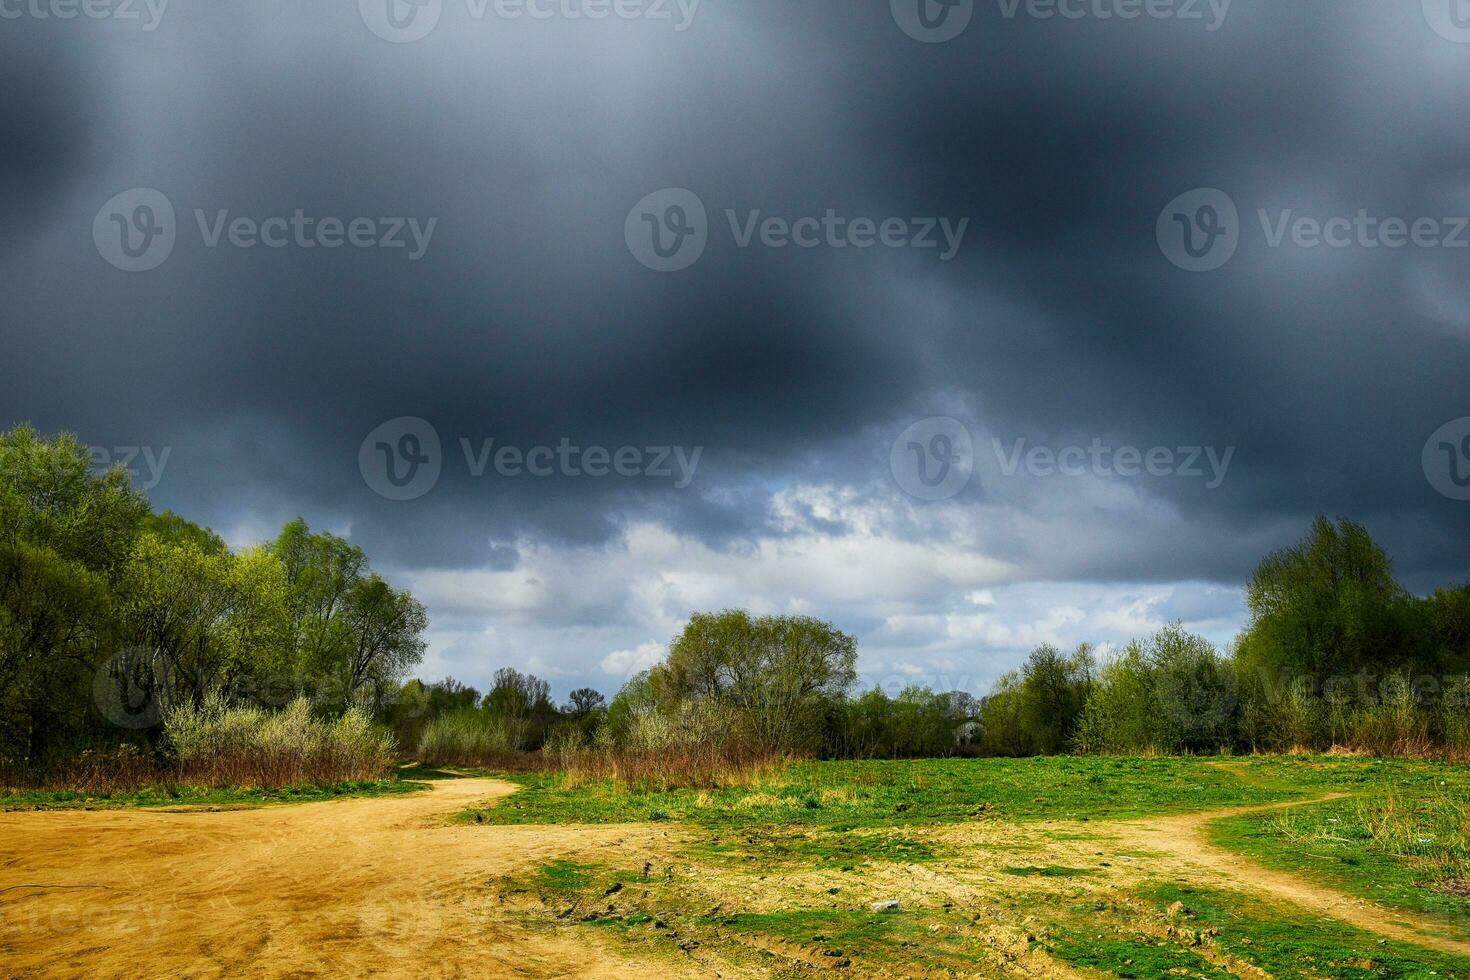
x=216, y=746
x=96, y=771
x=675, y=767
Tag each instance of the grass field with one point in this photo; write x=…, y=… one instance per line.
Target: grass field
x=1090, y=866
x=409, y=777
x=200, y=796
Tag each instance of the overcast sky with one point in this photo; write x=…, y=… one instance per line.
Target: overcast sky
x=1063, y=321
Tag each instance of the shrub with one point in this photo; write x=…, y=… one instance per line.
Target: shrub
x=219, y=745
x=468, y=738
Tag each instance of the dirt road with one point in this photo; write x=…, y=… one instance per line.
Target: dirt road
x=383, y=886
x=1184, y=841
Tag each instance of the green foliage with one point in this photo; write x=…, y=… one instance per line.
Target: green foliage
x=65, y=538
x=219, y=745
x=1037, y=711
x=777, y=674
x=467, y=737
x=346, y=627
x=1172, y=693
x=112, y=616
x=1329, y=605
x=858, y=794
x=916, y=724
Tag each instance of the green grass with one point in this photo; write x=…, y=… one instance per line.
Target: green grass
x=159, y=796
x=847, y=795
x=1394, y=849
x=778, y=877
x=1050, y=871
x=566, y=877
x=807, y=850
x=1147, y=941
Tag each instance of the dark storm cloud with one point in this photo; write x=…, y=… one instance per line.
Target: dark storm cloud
x=45, y=118
x=528, y=321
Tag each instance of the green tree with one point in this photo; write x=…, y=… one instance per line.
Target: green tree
x=1329, y=605
x=347, y=627
x=65, y=537
x=779, y=674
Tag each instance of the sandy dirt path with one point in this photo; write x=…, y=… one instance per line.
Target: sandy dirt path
x=383, y=886
x=1185, y=840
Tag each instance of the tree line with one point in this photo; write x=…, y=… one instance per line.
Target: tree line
x=112, y=616
x=1336, y=653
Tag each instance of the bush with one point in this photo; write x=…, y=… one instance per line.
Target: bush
x=917, y=724
x=468, y=738
x=1173, y=693
x=219, y=745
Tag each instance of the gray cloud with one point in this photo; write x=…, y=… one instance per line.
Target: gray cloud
x=528, y=321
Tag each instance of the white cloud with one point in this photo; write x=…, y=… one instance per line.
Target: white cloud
x=625, y=663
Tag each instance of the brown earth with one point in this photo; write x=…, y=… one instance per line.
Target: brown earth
x=382, y=886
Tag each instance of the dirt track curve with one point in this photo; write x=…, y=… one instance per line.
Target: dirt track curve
x=1185, y=840
x=382, y=886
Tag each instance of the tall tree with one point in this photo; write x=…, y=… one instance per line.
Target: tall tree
x=65, y=537
x=1328, y=605
x=779, y=673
